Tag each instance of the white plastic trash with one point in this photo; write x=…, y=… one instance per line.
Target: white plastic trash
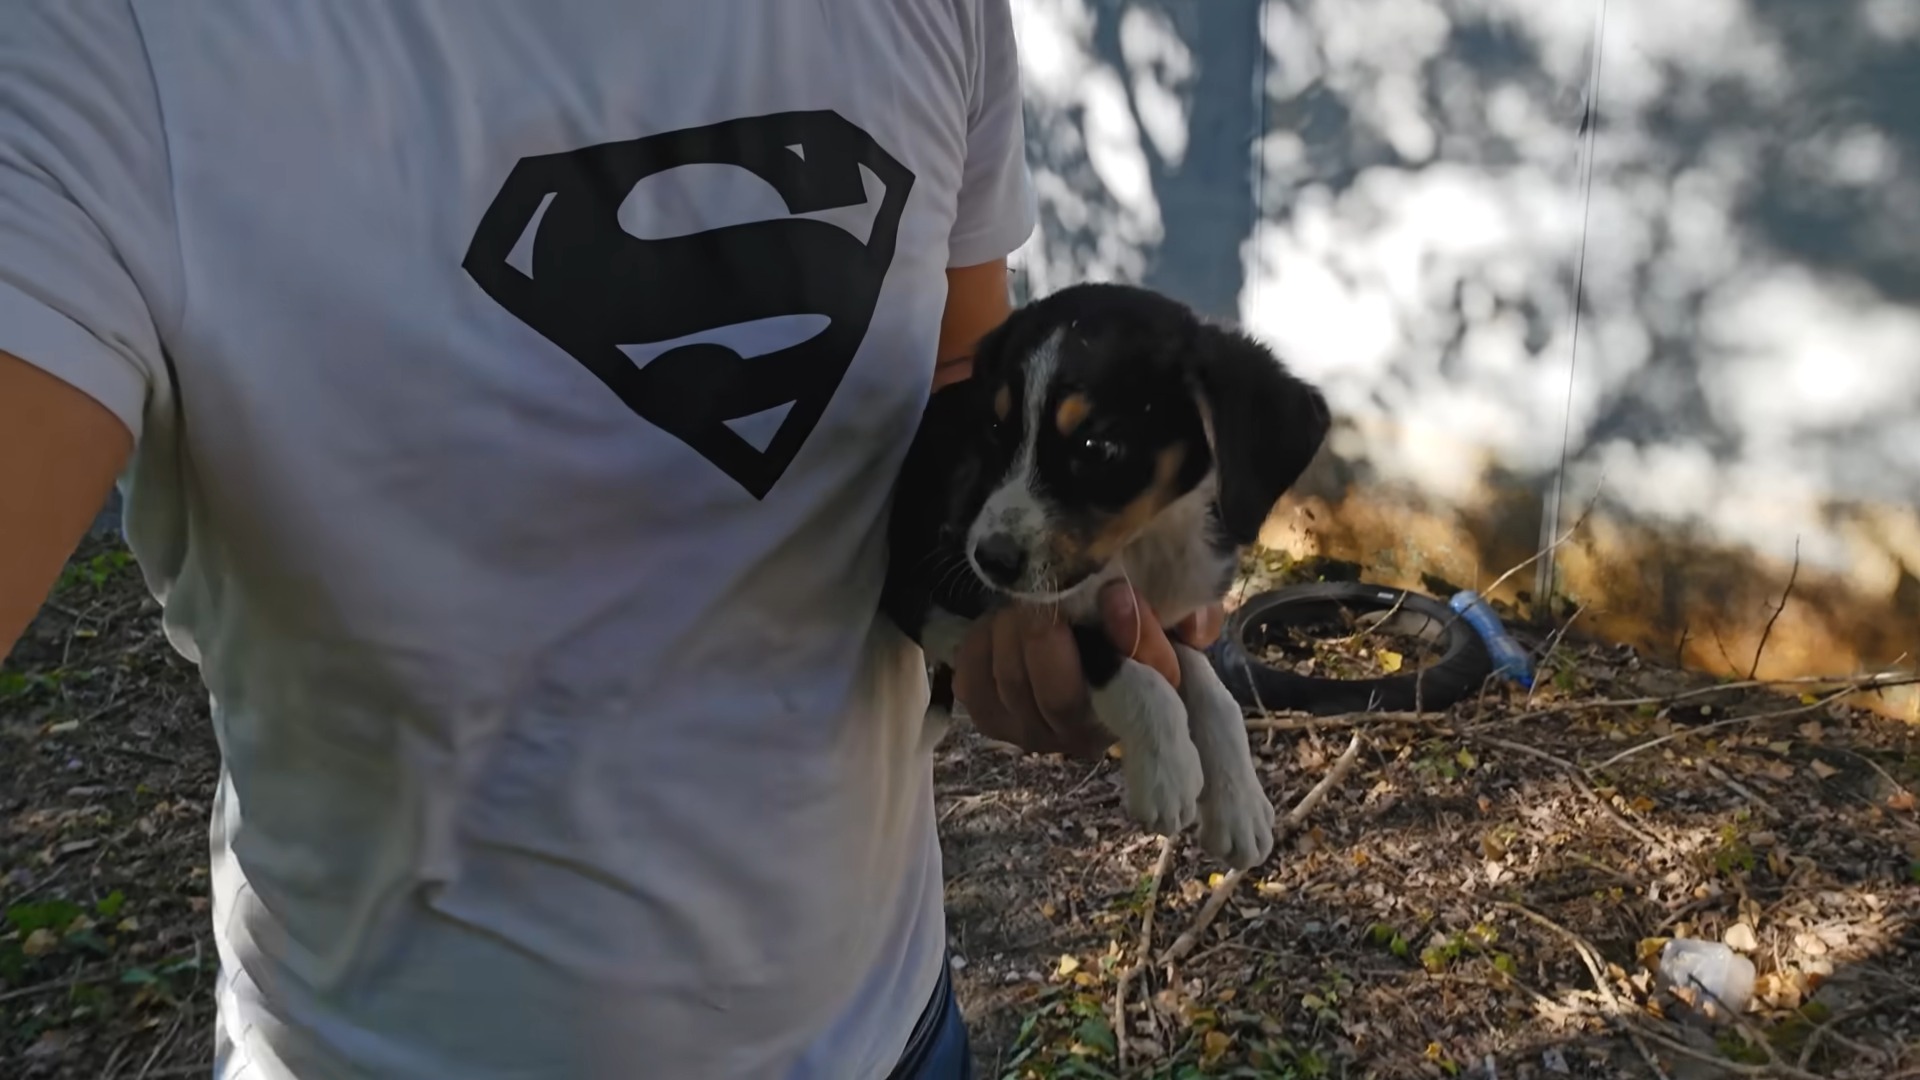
x=1712, y=970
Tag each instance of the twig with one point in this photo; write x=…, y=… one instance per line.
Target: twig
x=1184, y=944
x=136, y=752
x=1360, y=635
x=1553, y=642
x=52, y=985
x=1579, y=776
x=1779, y=714
x=1591, y=958
x=1294, y=721
x=1792, y=575
x=147, y=1069
x=1826, y=1029
x=1342, y=720
x=1849, y=683
x=112, y=701
x=1738, y=1068
x=1721, y=644
x=1160, y=868
x=1754, y=1038
x=36, y=888
x=1739, y=789
x=1898, y=787
x=112, y=1066
x=1561, y=539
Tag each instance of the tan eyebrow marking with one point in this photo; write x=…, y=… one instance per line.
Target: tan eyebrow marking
x=1117, y=531
x=1072, y=413
x=1002, y=401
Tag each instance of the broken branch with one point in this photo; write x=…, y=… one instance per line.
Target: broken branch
x=1184, y=944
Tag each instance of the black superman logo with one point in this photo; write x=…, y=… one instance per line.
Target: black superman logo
x=592, y=288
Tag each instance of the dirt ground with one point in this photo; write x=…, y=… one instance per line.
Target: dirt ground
x=1429, y=917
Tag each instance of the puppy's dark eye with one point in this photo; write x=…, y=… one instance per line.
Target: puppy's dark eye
x=1098, y=451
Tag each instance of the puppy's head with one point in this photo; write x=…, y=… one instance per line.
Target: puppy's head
x=1103, y=406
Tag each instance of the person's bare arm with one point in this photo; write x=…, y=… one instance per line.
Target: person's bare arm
x=59, y=454
x=977, y=301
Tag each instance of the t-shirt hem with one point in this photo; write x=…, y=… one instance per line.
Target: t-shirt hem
x=996, y=242
x=44, y=338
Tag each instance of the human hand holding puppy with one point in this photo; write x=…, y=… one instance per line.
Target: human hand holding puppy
x=1018, y=671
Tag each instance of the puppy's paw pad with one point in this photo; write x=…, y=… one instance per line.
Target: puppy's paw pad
x=1236, y=824
x=1163, y=788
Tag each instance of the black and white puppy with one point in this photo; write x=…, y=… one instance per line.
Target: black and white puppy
x=1108, y=432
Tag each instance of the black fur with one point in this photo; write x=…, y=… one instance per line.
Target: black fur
x=1267, y=426
x=1150, y=363
x=1099, y=659
x=927, y=566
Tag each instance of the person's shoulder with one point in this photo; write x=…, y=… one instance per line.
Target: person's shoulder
x=69, y=27
x=71, y=49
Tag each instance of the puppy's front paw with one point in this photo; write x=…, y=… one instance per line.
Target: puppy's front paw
x=1236, y=820
x=1164, y=784
x=1158, y=759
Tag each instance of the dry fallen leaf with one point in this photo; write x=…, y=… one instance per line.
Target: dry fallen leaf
x=1740, y=936
x=1780, y=990
x=1822, y=770
x=40, y=942
x=1217, y=1044
x=1810, y=944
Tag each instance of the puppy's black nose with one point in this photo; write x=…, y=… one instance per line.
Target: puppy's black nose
x=1001, y=558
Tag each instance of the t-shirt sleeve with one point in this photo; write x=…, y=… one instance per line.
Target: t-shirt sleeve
x=87, y=255
x=997, y=208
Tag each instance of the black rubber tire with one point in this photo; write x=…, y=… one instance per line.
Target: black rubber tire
x=1462, y=667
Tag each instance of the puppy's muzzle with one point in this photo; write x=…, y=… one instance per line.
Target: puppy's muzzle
x=1001, y=558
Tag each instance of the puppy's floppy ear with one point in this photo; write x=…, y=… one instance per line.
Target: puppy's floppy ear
x=1265, y=424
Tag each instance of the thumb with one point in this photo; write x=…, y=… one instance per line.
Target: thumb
x=1136, y=631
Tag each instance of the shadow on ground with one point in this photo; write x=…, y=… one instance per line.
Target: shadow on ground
x=1410, y=929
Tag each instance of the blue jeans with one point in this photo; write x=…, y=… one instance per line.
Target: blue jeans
x=937, y=1049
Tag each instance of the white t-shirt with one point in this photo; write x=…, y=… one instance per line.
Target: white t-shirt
x=518, y=387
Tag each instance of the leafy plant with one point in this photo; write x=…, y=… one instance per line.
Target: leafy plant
x=1386, y=937
x=97, y=571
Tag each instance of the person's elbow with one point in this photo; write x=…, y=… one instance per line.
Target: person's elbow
x=60, y=452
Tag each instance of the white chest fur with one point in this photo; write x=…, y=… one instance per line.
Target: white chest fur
x=1173, y=564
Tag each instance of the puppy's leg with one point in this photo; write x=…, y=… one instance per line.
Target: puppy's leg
x=1236, y=818
x=940, y=639
x=1158, y=761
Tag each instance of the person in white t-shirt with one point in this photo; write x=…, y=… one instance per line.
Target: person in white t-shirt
x=505, y=399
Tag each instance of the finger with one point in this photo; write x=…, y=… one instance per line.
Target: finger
x=1136, y=632
x=1053, y=669
x=976, y=686
x=1012, y=681
x=973, y=674
x=1202, y=628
